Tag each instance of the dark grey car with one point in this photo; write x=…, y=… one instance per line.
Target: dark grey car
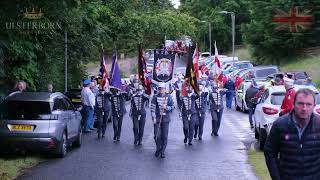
x=39, y=120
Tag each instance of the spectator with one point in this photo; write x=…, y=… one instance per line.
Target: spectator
x=292, y=149
x=238, y=81
x=20, y=86
x=94, y=88
x=88, y=101
x=250, y=94
x=249, y=75
x=50, y=88
x=287, y=103
x=230, y=86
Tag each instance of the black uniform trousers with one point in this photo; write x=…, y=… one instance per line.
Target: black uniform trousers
x=138, y=126
x=117, y=124
x=161, y=131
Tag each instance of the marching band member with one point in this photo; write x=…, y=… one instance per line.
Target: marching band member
x=201, y=106
x=177, y=87
x=189, y=113
x=216, y=107
x=138, y=112
x=161, y=105
x=118, y=111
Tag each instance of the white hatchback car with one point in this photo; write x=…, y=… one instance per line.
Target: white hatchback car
x=267, y=111
x=240, y=101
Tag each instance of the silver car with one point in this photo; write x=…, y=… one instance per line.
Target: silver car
x=39, y=120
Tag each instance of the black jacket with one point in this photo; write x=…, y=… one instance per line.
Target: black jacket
x=289, y=157
x=250, y=94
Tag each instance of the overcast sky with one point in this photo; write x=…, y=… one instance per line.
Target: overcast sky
x=176, y=3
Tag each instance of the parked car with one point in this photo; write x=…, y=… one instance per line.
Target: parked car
x=240, y=102
x=230, y=67
x=299, y=77
x=204, y=55
x=269, y=107
x=259, y=72
x=40, y=120
x=75, y=96
x=234, y=73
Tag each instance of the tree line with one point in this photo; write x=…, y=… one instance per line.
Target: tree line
x=33, y=49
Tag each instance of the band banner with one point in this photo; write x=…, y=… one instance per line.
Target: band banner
x=163, y=66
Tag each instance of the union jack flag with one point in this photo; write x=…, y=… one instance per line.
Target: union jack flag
x=297, y=19
x=103, y=72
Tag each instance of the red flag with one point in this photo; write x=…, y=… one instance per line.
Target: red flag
x=216, y=68
x=190, y=73
x=196, y=60
x=141, y=66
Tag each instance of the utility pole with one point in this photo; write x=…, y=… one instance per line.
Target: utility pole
x=65, y=61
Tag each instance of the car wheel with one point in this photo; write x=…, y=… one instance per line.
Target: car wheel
x=262, y=138
x=256, y=133
x=78, y=141
x=236, y=105
x=243, y=108
x=63, y=146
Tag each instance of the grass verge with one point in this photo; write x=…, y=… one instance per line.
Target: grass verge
x=257, y=161
x=12, y=165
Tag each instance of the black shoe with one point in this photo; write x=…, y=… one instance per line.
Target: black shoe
x=200, y=138
x=195, y=136
x=135, y=142
x=139, y=143
x=216, y=134
x=162, y=155
x=114, y=138
x=185, y=140
x=251, y=126
x=190, y=143
x=118, y=138
x=212, y=134
x=157, y=153
x=99, y=135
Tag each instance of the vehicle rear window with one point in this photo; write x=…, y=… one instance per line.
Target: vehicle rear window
x=260, y=73
x=15, y=110
x=277, y=98
x=300, y=75
x=242, y=66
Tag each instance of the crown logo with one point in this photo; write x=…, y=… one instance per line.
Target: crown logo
x=33, y=14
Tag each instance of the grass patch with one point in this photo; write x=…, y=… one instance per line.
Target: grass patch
x=243, y=54
x=12, y=165
x=309, y=64
x=257, y=161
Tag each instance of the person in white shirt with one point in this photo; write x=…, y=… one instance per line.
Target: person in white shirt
x=88, y=102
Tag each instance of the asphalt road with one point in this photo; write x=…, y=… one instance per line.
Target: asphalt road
x=222, y=157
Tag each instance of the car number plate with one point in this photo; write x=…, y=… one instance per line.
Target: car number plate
x=76, y=100
x=21, y=127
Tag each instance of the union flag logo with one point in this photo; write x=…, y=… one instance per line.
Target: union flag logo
x=296, y=19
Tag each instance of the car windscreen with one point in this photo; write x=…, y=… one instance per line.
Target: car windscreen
x=14, y=110
x=277, y=98
x=261, y=73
